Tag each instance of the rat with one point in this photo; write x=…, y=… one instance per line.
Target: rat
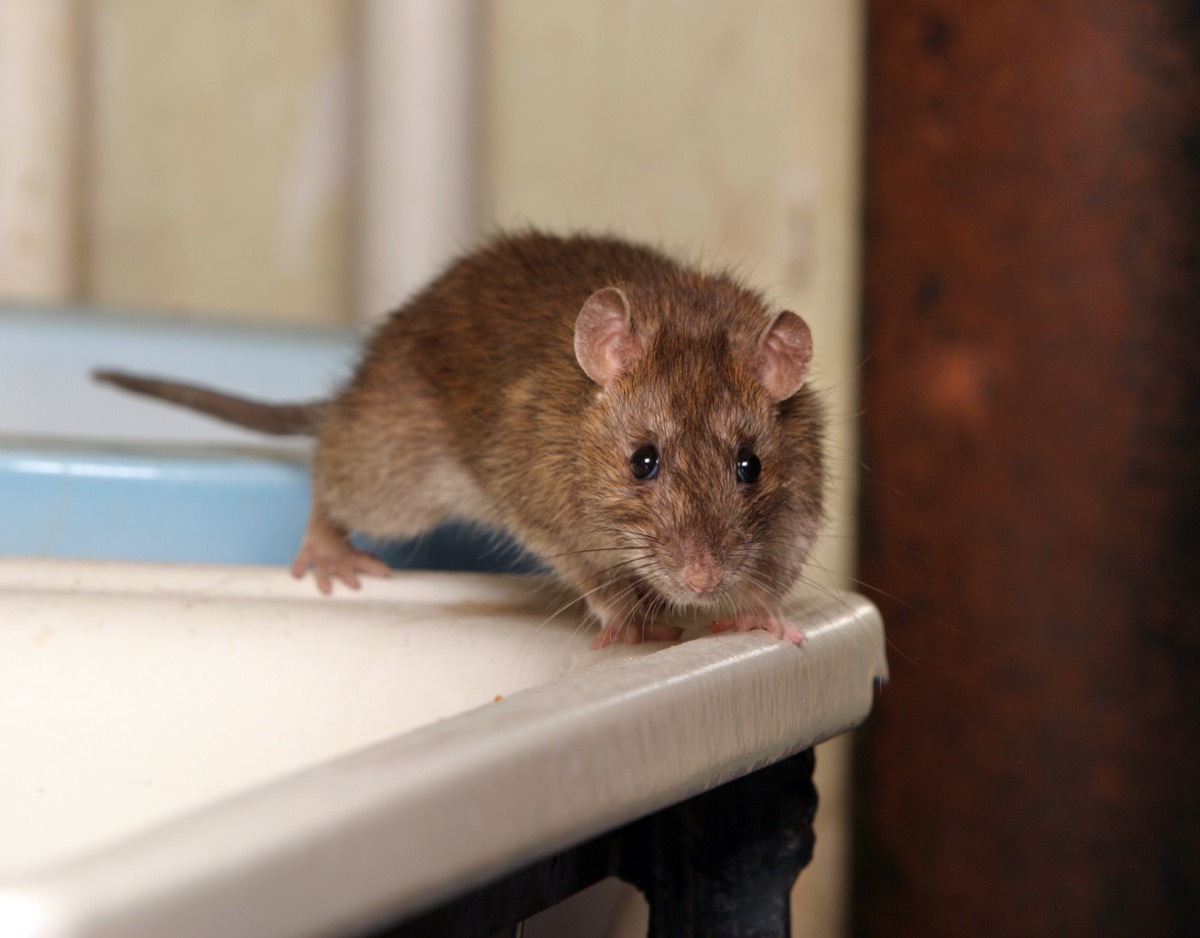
x=643, y=427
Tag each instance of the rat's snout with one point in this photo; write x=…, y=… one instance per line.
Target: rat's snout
x=701, y=572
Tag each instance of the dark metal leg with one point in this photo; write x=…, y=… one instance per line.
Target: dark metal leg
x=722, y=864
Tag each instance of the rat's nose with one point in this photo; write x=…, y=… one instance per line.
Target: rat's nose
x=702, y=575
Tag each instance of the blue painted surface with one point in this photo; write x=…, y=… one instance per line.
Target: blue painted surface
x=129, y=505
x=87, y=472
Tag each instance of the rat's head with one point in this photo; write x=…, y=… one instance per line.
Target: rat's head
x=704, y=443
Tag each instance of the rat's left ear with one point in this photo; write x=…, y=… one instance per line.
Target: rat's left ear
x=786, y=352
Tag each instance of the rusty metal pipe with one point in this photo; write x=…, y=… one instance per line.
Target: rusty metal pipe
x=1030, y=516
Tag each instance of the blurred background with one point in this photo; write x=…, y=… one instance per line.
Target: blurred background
x=988, y=213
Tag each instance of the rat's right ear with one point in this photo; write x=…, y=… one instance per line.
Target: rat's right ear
x=605, y=344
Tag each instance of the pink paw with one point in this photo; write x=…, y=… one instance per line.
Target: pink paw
x=329, y=561
x=778, y=627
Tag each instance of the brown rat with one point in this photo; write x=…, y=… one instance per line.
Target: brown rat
x=641, y=426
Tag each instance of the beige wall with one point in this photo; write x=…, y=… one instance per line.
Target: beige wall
x=218, y=157
x=39, y=135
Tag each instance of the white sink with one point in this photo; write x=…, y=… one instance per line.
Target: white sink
x=198, y=750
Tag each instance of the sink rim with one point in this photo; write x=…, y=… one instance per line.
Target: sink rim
x=399, y=825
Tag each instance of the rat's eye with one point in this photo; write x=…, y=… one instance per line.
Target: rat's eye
x=644, y=462
x=748, y=466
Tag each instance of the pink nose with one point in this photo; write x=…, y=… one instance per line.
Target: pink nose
x=702, y=576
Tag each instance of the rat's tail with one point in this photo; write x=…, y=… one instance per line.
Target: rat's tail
x=275, y=419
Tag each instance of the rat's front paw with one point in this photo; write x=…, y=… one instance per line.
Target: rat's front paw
x=329, y=555
x=345, y=566
x=747, y=622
